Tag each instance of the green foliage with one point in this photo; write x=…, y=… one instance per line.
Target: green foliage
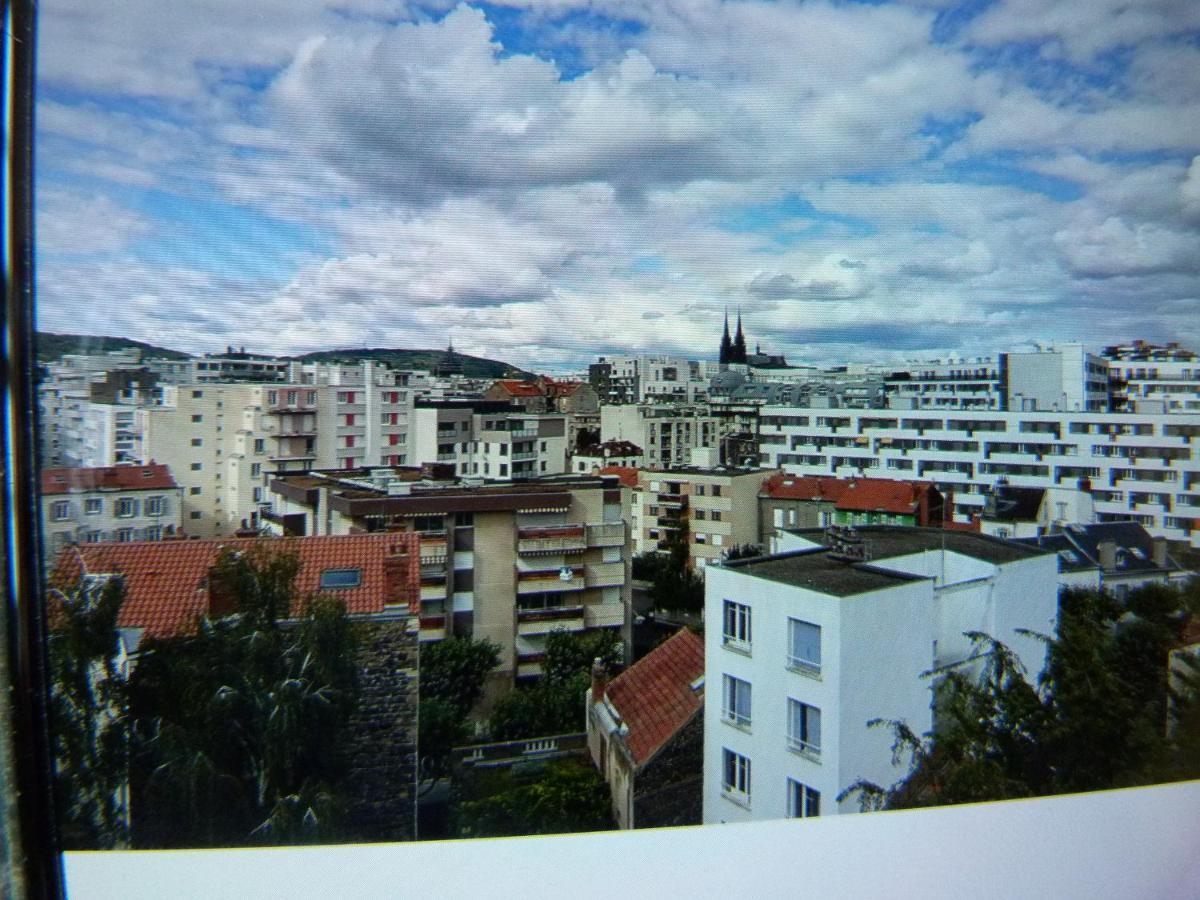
x=241, y=726
x=89, y=717
x=674, y=585
x=441, y=727
x=1097, y=718
x=454, y=670
x=744, y=551
x=564, y=796
x=554, y=705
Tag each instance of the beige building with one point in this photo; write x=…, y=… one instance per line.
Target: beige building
x=667, y=434
x=509, y=562
x=718, y=506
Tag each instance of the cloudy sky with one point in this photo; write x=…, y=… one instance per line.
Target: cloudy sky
x=547, y=181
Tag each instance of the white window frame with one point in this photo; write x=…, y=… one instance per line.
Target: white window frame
x=806, y=742
x=154, y=506
x=737, y=622
x=797, y=662
x=804, y=802
x=735, y=775
x=60, y=510
x=93, y=506
x=736, y=702
x=125, y=503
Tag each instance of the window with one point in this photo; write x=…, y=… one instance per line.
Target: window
x=503, y=469
x=804, y=647
x=700, y=515
x=197, y=418
x=345, y=397
x=336, y=579
x=804, y=728
x=260, y=445
x=272, y=397
x=194, y=514
x=716, y=490
x=349, y=418
x=155, y=506
x=737, y=625
x=292, y=397
x=124, y=535
x=349, y=440
x=195, y=492
x=736, y=709
x=698, y=490
x=93, y=506
x=197, y=442
x=196, y=395
x=126, y=507
x=196, y=467
x=736, y=776
x=61, y=509
x=803, y=801
x=255, y=469
x=716, y=515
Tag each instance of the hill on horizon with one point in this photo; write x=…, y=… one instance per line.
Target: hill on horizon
x=52, y=346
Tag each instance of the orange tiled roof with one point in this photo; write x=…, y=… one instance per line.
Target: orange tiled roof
x=867, y=494
x=654, y=696
x=627, y=474
x=521, y=388
x=166, y=582
x=154, y=477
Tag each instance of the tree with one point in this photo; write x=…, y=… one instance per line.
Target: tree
x=744, y=551
x=675, y=585
x=555, y=704
x=241, y=726
x=453, y=672
x=89, y=715
x=564, y=796
x=1095, y=720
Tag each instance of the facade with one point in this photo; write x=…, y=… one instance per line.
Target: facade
x=666, y=434
x=612, y=453
x=1143, y=468
x=976, y=383
x=1062, y=378
x=115, y=503
x=645, y=734
x=808, y=645
x=490, y=440
x=509, y=562
x=718, y=507
x=790, y=501
x=1115, y=556
x=168, y=587
x=1020, y=512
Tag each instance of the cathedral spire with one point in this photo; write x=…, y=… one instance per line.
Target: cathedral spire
x=738, y=351
x=726, y=344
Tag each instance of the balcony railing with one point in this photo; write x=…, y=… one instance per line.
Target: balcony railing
x=551, y=538
x=605, y=575
x=611, y=534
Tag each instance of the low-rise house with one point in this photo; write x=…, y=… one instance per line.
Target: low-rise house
x=1011, y=511
x=168, y=587
x=808, y=645
x=112, y=503
x=1116, y=556
x=610, y=453
x=646, y=734
x=799, y=501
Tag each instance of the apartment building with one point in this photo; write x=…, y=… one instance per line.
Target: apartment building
x=1147, y=377
x=488, y=439
x=510, y=562
x=114, y=503
x=667, y=434
x=1137, y=467
x=806, y=646
x=717, y=507
x=976, y=383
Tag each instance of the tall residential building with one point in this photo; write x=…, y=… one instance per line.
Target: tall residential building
x=807, y=646
x=667, y=434
x=488, y=439
x=510, y=562
x=1137, y=466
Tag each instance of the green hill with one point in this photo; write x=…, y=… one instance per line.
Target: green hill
x=51, y=347
x=472, y=366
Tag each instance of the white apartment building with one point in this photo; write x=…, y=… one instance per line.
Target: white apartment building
x=1063, y=377
x=805, y=647
x=1168, y=386
x=1137, y=467
x=974, y=383
x=492, y=440
x=667, y=434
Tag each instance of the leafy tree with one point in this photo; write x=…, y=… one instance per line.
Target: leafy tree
x=241, y=726
x=1095, y=720
x=567, y=796
x=555, y=704
x=454, y=671
x=89, y=716
x=744, y=551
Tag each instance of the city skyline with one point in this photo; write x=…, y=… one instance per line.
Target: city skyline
x=545, y=185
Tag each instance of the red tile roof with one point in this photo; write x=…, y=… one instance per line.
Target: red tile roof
x=154, y=477
x=520, y=388
x=654, y=696
x=864, y=494
x=627, y=474
x=166, y=582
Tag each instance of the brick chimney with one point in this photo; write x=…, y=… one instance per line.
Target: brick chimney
x=221, y=599
x=1160, y=552
x=599, y=679
x=1107, y=551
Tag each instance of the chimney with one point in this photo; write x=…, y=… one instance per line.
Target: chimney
x=1107, y=551
x=599, y=679
x=221, y=599
x=1160, y=552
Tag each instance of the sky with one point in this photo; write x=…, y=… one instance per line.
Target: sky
x=545, y=182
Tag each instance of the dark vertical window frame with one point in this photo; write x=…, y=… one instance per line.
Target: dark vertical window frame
x=30, y=865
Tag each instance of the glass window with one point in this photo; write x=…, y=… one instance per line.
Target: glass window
x=803, y=801
x=60, y=510
x=736, y=709
x=736, y=775
x=335, y=579
x=804, y=727
x=804, y=646
x=127, y=507
x=93, y=506
x=155, y=506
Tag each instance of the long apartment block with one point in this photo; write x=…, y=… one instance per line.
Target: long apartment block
x=509, y=562
x=1140, y=467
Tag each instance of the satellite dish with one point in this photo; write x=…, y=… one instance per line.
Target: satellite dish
x=565, y=574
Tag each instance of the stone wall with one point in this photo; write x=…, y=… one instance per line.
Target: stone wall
x=668, y=790
x=383, y=732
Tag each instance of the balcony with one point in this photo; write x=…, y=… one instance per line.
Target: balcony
x=280, y=408
x=608, y=535
x=673, y=501
x=433, y=628
x=522, y=457
x=550, y=581
x=544, y=621
x=605, y=575
x=604, y=615
x=552, y=539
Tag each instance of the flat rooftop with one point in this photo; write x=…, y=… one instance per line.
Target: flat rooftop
x=887, y=541
x=818, y=570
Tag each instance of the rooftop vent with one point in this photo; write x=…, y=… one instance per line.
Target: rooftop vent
x=846, y=544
